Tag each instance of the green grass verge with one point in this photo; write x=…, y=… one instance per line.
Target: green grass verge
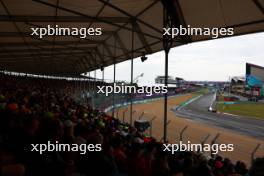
x=246, y=109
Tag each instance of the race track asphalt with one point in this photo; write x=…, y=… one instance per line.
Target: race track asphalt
x=198, y=111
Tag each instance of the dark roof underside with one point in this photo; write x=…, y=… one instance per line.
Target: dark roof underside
x=71, y=56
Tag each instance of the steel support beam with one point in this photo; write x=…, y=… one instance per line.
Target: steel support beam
x=67, y=19
x=93, y=60
x=167, y=43
x=132, y=74
x=120, y=42
x=47, y=43
x=113, y=111
x=100, y=56
x=95, y=18
x=103, y=74
x=180, y=20
x=143, y=39
x=48, y=50
x=132, y=17
x=108, y=51
x=88, y=59
x=88, y=66
x=42, y=55
x=259, y=6
x=104, y=32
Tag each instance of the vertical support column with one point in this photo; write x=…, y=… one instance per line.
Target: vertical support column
x=102, y=75
x=167, y=43
x=132, y=73
x=113, y=111
x=89, y=83
x=89, y=88
x=103, y=104
x=94, y=87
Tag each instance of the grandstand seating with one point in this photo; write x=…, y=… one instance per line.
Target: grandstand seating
x=37, y=111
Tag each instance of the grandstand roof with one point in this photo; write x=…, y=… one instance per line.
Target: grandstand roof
x=70, y=55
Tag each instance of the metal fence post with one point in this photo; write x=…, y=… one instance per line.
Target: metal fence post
x=124, y=115
x=168, y=122
x=141, y=115
x=150, y=127
x=203, y=141
x=254, y=152
x=213, y=142
x=132, y=117
x=117, y=113
x=182, y=131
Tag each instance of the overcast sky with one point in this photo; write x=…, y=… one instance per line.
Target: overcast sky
x=214, y=60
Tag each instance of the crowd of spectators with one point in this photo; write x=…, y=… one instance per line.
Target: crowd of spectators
x=34, y=111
